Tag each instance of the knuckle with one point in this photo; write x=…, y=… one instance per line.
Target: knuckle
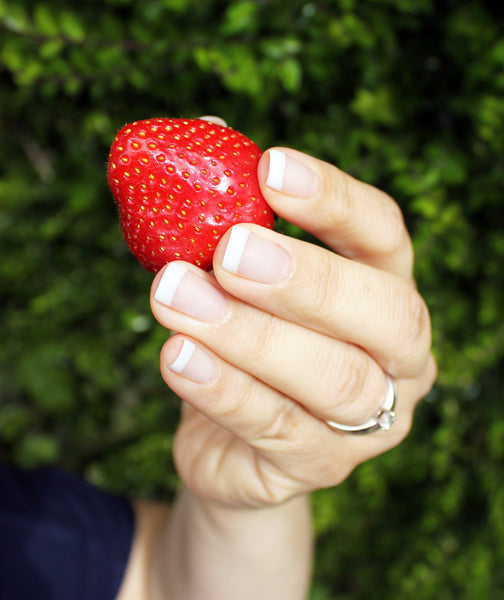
x=395, y=239
x=350, y=209
x=326, y=278
x=351, y=381
x=235, y=408
x=260, y=348
x=344, y=212
x=280, y=426
x=428, y=377
x=415, y=338
x=346, y=195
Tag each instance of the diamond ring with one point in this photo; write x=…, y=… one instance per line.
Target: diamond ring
x=382, y=420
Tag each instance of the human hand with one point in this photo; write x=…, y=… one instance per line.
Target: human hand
x=285, y=336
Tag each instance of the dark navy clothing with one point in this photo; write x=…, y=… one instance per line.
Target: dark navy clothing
x=60, y=538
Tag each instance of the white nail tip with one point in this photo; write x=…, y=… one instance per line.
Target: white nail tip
x=215, y=120
x=185, y=355
x=169, y=283
x=235, y=248
x=276, y=170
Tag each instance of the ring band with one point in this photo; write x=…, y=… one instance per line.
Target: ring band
x=383, y=419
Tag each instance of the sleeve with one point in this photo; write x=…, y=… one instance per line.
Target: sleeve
x=61, y=538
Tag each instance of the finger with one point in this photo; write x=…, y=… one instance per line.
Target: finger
x=409, y=393
x=239, y=440
x=354, y=218
x=331, y=379
x=225, y=393
x=286, y=436
x=320, y=290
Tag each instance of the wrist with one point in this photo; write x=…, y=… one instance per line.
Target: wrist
x=228, y=519
x=215, y=551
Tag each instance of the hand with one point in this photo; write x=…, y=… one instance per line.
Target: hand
x=286, y=335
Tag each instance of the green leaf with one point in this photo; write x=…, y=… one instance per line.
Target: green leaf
x=38, y=451
x=240, y=17
x=176, y=5
x=31, y=72
x=51, y=49
x=14, y=421
x=290, y=74
x=43, y=374
x=45, y=20
x=375, y=106
x=72, y=26
x=235, y=64
x=12, y=55
x=15, y=18
x=278, y=48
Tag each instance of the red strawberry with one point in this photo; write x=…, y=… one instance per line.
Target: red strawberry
x=180, y=184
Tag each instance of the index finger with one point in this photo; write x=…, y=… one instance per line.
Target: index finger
x=353, y=218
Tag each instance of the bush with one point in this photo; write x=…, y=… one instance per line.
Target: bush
x=407, y=95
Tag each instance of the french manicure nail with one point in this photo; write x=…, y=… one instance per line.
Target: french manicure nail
x=193, y=363
x=290, y=176
x=255, y=258
x=215, y=120
x=190, y=294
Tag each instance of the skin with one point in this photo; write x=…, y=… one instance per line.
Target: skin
x=253, y=441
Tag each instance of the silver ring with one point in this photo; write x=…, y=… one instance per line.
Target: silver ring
x=383, y=419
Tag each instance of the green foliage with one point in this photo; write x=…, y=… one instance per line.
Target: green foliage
x=407, y=95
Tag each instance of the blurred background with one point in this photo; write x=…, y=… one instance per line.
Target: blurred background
x=407, y=95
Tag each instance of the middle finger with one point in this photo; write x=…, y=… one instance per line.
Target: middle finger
x=305, y=284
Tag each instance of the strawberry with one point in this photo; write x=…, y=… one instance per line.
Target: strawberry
x=180, y=184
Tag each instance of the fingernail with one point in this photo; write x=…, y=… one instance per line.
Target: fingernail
x=191, y=362
x=184, y=291
x=215, y=120
x=255, y=258
x=290, y=176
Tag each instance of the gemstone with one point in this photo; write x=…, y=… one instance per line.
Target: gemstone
x=386, y=419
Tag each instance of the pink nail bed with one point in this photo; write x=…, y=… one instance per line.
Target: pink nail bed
x=190, y=294
x=255, y=258
x=290, y=176
x=193, y=363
